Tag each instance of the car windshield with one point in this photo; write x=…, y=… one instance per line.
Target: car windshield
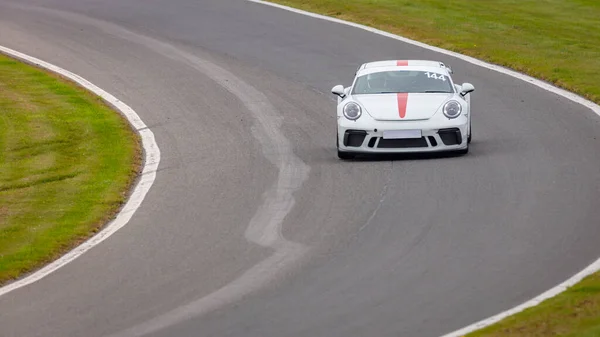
x=404, y=81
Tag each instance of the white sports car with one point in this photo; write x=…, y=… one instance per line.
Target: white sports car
x=403, y=106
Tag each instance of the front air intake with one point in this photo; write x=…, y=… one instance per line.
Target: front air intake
x=402, y=143
x=354, y=138
x=450, y=136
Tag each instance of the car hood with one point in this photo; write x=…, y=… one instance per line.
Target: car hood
x=402, y=106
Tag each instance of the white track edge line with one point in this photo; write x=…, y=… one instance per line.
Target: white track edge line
x=592, y=268
x=146, y=179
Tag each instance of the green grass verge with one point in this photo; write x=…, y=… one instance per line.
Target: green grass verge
x=67, y=162
x=554, y=40
x=574, y=313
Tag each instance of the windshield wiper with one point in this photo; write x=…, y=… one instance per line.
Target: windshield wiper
x=436, y=91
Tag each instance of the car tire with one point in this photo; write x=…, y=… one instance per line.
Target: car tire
x=470, y=133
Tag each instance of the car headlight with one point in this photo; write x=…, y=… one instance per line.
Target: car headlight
x=452, y=109
x=352, y=111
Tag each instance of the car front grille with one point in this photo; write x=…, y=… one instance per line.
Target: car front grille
x=402, y=143
x=356, y=138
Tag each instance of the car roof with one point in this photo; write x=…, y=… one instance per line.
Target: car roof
x=391, y=65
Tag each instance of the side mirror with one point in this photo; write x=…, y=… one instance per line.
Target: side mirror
x=466, y=88
x=338, y=90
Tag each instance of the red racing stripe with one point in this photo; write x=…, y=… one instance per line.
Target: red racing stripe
x=402, y=63
x=402, y=102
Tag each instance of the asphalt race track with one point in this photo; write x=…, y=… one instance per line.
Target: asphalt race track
x=253, y=226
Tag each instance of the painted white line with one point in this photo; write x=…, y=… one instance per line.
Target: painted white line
x=151, y=161
x=594, y=267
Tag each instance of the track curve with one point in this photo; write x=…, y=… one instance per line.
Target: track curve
x=408, y=246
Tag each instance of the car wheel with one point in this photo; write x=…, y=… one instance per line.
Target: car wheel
x=470, y=133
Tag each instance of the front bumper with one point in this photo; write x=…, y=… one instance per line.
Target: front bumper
x=438, y=134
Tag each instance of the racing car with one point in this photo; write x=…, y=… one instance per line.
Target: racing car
x=403, y=107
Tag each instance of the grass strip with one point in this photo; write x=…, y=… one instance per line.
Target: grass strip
x=554, y=40
x=67, y=163
x=573, y=313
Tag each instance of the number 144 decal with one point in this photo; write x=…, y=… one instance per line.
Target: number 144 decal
x=436, y=76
